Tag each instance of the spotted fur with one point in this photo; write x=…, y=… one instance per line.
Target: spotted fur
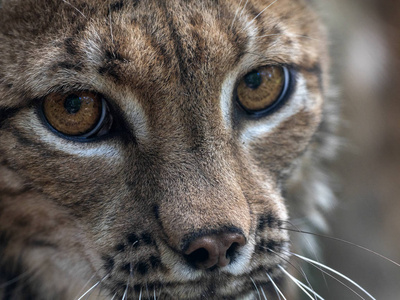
x=184, y=161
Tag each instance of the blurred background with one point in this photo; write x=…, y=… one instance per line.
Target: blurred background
x=365, y=37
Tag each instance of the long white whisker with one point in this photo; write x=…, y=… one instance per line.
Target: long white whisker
x=259, y=14
x=278, y=291
x=299, y=269
x=308, y=288
x=126, y=290
x=314, y=252
x=335, y=272
x=262, y=291
x=111, y=30
x=113, y=297
x=127, y=284
x=263, y=11
x=74, y=8
x=258, y=292
x=93, y=286
x=343, y=241
x=140, y=294
x=336, y=279
x=300, y=285
x=236, y=13
x=283, y=34
x=147, y=290
x=243, y=9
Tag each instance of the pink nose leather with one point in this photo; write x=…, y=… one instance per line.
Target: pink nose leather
x=214, y=250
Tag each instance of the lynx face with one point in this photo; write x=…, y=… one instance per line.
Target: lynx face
x=146, y=145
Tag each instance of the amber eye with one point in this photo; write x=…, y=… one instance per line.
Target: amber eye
x=80, y=114
x=262, y=89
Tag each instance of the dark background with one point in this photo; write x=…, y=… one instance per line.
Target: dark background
x=365, y=37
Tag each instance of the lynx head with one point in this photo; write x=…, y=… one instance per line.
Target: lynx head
x=153, y=146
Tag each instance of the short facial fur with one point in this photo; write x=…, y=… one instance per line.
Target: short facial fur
x=185, y=161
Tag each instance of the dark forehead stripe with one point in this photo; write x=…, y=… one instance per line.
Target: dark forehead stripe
x=184, y=52
x=177, y=42
x=68, y=65
x=112, y=62
x=116, y=6
x=70, y=46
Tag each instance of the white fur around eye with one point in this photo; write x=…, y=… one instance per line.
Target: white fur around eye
x=227, y=87
x=35, y=127
x=226, y=100
x=136, y=117
x=262, y=126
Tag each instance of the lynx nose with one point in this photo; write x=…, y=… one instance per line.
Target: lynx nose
x=214, y=250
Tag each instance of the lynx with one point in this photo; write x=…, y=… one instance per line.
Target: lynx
x=159, y=149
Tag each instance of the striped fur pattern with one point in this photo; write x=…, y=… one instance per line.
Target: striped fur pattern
x=116, y=212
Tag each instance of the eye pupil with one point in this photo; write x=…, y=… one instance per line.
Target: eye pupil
x=253, y=80
x=73, y=104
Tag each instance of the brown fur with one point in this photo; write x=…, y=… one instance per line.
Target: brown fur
x=174, y=169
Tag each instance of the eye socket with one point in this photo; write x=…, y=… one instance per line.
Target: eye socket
x=78, y=114
x=263, y=89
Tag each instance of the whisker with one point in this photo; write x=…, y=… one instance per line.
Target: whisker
x=283, y=34
x=111, y=30
x=160, y=289
x=277, y=290
x=345, y=242
x=126, y=290
x=298, y=268
x=301, y=285
x=100, y=290
x=147, y=291
x=236, y=13
x=258, y=292
x=262, y=291
x=306, y=287
x=335, y=272
x=66, y=2
x=313, y=250
x=259, y=14
x=140, y=294
x=86, y=284
x=93, y=286
x=113, y=297
x=336, y=279
x=154, y=293
x=244, y=7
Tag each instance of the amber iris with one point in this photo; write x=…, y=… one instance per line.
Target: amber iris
x=73, y=114
x=261, y=88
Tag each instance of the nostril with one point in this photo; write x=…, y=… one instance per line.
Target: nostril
x=230, y=253
x=199, y=256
